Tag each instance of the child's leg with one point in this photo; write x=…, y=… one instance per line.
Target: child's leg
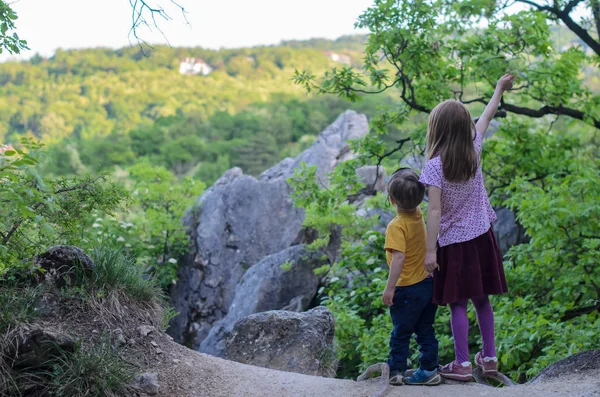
x=428, y=344
x=485, y=318
x=459, y=323
x=404, y=316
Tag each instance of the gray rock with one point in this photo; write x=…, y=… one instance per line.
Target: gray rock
x=34, y=349
x=58, y=263
x=286, y=341
x=329, y=149
x=268, y=285
x=240, y=221
x=145, y=330
x=373, y=178
x=381, y=217
x=507, y=230
x=146, y=383
x=585, y=361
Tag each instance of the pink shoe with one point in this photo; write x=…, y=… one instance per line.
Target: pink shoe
x=489, y=365
x=455, y=371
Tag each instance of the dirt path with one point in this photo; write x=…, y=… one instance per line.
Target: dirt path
x=183, y=372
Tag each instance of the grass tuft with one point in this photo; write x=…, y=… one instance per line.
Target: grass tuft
x=115, y=272
x=96, y=371
x=18, y=306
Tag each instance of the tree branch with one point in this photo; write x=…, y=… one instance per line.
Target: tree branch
x=546, y=110
x=142, y=12
x=80, y=186
x=380, y=159
x=580, y=311
x=595, y=5
x=6, y=237
x=564, y=15
x=572, y=4
x=539, y=6
x=17, y=225
x=580, y=32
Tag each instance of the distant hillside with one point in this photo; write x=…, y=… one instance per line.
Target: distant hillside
x=100, y=108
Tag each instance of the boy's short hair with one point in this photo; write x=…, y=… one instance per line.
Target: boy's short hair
x=404, y=187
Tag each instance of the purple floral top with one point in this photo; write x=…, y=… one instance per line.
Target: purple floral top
x=466, y=209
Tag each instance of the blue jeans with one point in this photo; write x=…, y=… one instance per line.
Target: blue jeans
x=413, y=313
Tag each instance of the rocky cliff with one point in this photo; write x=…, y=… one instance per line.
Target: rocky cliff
x=241, y=220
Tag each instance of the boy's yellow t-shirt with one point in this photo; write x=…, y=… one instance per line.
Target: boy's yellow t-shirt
x=406, y=233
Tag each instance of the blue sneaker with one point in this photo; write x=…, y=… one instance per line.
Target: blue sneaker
x=425, y=378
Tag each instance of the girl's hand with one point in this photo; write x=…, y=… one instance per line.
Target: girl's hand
x=430, y=262
x=388, y=296
x=505, y=83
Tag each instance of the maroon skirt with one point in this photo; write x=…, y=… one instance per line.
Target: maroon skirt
x=469, y=269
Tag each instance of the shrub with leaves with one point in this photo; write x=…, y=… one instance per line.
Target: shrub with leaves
x=37, y=212
x=542, y=164
x=162, y=200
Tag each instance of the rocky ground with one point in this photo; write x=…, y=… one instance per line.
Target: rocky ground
x=183, y=372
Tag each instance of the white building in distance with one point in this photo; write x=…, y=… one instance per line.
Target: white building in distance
x=194, y=66
x=339, y=58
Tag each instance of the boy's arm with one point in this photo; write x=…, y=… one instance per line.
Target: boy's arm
x=396, y=266
x=504, y=84
x=434, y=212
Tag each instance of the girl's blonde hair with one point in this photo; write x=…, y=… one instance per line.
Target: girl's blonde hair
x=450, y=136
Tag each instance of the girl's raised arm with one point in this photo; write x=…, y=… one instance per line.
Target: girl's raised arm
x=504, y=84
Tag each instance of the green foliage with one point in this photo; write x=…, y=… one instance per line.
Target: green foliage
x=431, y=51
x=544, y=170
x=38, y=212
x=17, y=306
x=9, y=41
x=258, y=154
x=353, y=296
x=326, y=198
x=90, y=371
x=100, y=110
x=162, y=201
x=114, y=272
x=168, y=314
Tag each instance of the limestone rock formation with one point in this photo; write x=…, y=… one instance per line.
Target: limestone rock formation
x=284, y=279
x=241, y=220
x=287, y=341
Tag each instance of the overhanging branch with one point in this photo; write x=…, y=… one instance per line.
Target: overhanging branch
x=546, y=110
x=565, y=17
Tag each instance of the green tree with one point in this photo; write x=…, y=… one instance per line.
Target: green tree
x=429, y=51
x=255, y=156
x=37, y=212
x=162, y=201
x=542, y=164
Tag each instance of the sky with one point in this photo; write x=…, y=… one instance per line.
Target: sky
x=51, y=24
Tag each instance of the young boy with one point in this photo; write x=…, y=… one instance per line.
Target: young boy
x=409, y=289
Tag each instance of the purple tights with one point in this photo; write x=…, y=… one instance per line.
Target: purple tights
x=460, y=327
